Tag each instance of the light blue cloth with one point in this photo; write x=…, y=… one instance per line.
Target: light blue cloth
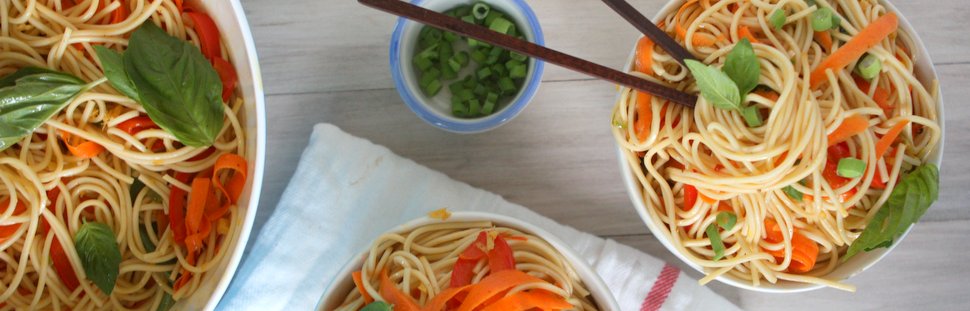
x=347, y=191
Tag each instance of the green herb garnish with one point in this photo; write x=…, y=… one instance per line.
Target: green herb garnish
x=30, y=96
x=100, y=257
x=906, y=204
x=715, y=86
x=726, y=220
x=742, y=67
x=377, y=306
x=792, y=193
x=716, y=244
x=177, y=86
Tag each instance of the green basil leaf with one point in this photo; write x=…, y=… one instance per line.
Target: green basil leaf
x=12, y=78
x=716, y=244
x=135, y=189
x=742, y=67
x=907, y=203
x=177, y=86
x=377, y=306
x=726, y=220
x=114, y=70
x=100, y=257
x=32, y=99
x=166, y=303
x=715, y=86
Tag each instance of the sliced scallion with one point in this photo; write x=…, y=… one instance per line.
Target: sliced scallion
x=851, y=167
x=793, y=193
x=822, y=19
x=778, y=18
x=716, y=244
x=480, y=10
x=869, y=67
x=752, y=116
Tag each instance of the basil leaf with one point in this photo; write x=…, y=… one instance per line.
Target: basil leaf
x=35, y=95
x=742, y=67
x=906, y=204
x=166, y=303
x=135, y=189
x=715, y=86
x=177, y=86
x=726, y=220
x=114, y=69
x=716, y=244
x=100, y=257
x=377, y=306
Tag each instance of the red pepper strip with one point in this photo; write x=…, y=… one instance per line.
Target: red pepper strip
x=137, y=124
x=461, y=274
x=63, y=266
x=119, y=14
x=9, y=230
x=690, y=197
x=176, y=208
x=228, y=76
x=208, y=34
x=500, y=257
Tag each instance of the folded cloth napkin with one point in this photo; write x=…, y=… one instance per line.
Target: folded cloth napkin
x=347, y=191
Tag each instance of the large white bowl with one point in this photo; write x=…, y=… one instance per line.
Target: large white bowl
x=335, y=293
x=231, y=20
x=925, y=72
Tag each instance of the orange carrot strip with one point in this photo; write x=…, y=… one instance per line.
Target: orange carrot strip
x=825, y=39
x=84, y=149
x=182, y=280
x=195, y=211
x=359, y=281
x=119, y=15
x=440, y=300
x=641, y=125
x=804, y=250
x=745, y=32
x=883, y=144
x=522, y=301
x=678, y=24
x=850, y=127
x=880, y=95
x=706, y=199
x=858, y=45
x=394, y=296
x=644, y=61
x=236, y=167
x=494, y=284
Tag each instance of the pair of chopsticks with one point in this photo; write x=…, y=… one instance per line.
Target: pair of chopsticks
x=448, y=23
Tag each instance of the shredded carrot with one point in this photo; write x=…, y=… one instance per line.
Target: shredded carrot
x=521, y=301
x=440, y=300
x=804, y=250
x=679, y=24
x=772, y=95
x=880, y=95
x=641, y=125
x=706, y=199
x=851, y=126
x=745, y=32
x=178, y=5
x=825, y=39
x=874, y=33
x=182, y=280
x=644, y=61
x=492, y=285
x=359, y=281
x=394, y=296
x=883, y=144
x=79, y=147
x=236, y=168
x=195, y=211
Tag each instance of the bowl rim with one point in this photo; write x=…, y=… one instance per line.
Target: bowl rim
x=657, y=229
x=597, y=287
x=259, y=154
x=473, y=125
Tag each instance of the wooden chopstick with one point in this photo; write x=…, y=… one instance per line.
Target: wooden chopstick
x=445, y=22
x=649, y=29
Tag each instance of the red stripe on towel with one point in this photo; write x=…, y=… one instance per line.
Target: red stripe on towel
x=661, y=288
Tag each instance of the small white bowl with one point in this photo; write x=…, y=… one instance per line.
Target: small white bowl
x=924, y=71
x=231, y=20
x=335, y=293
x=437, y=110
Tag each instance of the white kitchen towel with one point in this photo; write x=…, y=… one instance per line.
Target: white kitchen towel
x=347, y=191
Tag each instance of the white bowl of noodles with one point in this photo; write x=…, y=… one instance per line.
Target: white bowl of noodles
x=828, y=273
x=342, y=291
x=80, y=184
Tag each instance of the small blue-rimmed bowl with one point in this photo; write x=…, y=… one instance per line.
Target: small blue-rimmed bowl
x=437, y=110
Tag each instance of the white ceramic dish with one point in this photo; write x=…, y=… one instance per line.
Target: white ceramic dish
x=344, y=283
x=231, y=20
x=925, y=72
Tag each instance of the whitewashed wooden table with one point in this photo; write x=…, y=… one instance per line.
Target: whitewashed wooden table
x=327, y=61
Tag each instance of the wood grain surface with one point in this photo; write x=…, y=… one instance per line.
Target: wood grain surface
x=327, y=61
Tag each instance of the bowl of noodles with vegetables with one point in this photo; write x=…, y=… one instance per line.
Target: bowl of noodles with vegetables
x=467, y=261
x=131, y=152
x=814, y=145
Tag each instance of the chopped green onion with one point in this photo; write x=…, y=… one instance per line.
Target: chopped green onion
x=378, y=306
x=469, y=19
x=869, y=67
x=427, y=76
x=851, y=167
x=480, y=90
x=450, y=36
x=518, y=57
x=454, y=87
x=445, y=51
x=716, y=244
x=822, y=19
x=454, y=64
x=506, y=85
x=483, y=73
x=429, y=53
x=478, y=56
x=458, y=108
x=433, y=87
x=480, y=10
x=778, y=18
x=752, y=116
x=474, y=107
x=465, y=95
x=499, y=70
x=493, y=55
x=423, y=63
x=469, y=81
x=793, y=193
x=500, y=25
x=726, y=220
x=518, y=72
x=463, y=10
x=491, y=98
x=429, y=36
x=462, y=58
x=492, y=15
x=447, y=73
x=487, y=108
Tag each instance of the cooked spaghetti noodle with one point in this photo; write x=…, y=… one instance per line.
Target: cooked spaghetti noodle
x=49, y=188
x=425, y=262
x=712, y=157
